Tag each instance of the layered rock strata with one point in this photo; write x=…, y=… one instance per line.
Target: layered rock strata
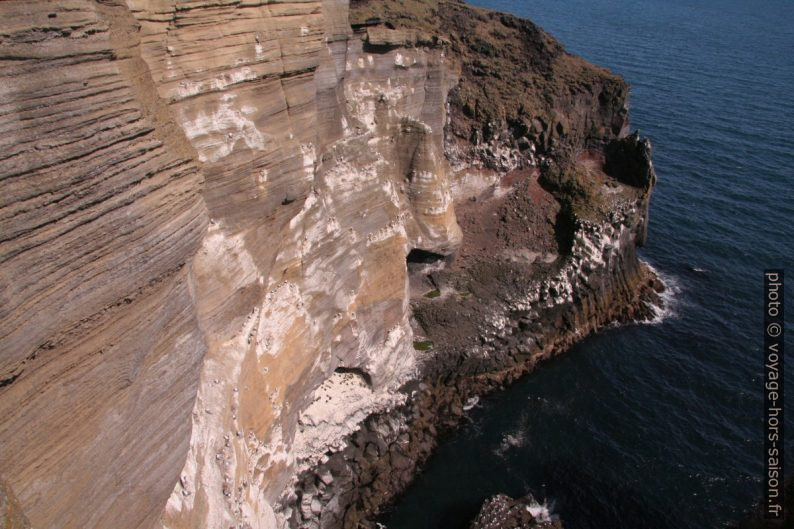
x=256, y=255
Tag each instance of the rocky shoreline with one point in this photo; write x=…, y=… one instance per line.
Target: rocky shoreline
x=259, y=256
x=488, y=313
x=353, y=485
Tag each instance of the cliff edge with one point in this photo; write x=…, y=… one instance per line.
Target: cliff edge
x=256, y=255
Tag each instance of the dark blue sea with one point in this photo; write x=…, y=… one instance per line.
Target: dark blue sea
x=657, y=426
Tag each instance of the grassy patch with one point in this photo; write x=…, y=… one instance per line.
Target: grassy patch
x=423, y=345
x=576, y=187
x=433, y=294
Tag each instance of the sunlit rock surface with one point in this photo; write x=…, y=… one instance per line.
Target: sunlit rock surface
x=218, y=223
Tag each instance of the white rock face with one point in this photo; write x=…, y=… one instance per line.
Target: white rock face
x=206, y=211
x=221, y=214
x=319, y=181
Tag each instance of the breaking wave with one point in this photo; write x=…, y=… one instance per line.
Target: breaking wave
x=516, y=438
x=542, y=511
x=668, y=305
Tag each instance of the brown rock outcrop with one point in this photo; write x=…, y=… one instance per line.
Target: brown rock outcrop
x=218, y=221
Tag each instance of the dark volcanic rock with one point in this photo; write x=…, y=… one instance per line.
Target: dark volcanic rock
x=255, y=257
x=518, y=85
x=548, y=252
x=629, y=160
x=504, y=512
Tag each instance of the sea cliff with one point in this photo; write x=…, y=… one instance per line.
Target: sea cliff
x=257, y=255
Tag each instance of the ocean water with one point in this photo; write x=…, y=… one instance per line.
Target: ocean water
x=657, y=426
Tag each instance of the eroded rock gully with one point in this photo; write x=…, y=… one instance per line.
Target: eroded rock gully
x=256, y=255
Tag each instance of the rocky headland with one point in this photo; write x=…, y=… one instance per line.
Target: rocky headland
x=256, y=256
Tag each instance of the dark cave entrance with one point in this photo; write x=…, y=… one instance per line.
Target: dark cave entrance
x=355, y=371
x=424, y=257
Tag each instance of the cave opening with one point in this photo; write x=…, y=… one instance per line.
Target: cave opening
x=564, y=230
x=419, y=256
x=366, y=377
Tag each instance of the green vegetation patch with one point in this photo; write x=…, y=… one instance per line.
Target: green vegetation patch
x=423, y=345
